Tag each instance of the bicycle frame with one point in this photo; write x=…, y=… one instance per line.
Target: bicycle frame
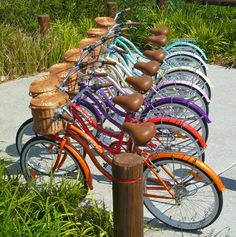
x=131, y=58
x=72, y=131
x=148, y=106
x=129, y=118
x=123, y=41
x=156, y=87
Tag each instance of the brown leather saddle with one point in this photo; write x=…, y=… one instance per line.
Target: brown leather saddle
x=130, y=103
x=158, y=40
x=160, y=31
x=140, y=133
x=156, y=55
x=148, y=68
x=142, y=83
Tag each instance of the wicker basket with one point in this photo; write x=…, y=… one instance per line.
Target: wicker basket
x=96, y=32
x=73, y=55
x=88, y=41
x=72, y=82
x=43, y=108
x=105, y=21
x=44, y=85
x=60, y=67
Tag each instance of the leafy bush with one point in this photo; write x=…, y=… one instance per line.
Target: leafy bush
x=24, y=51
x=26, y=211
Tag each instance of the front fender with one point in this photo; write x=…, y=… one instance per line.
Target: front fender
x=196, y=162
x=80, y=159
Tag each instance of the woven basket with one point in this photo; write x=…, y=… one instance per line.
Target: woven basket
x=96, y=32
x=72, y=82
x=60, y=67
x=73, y=55
x=44, y=85
x=105, y=22
x=88, y=41
x=43, y=108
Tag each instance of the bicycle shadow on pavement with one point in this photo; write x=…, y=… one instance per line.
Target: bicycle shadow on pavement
x=11, y=150
x=155, y=224
x=229, y=183
x=100, y=178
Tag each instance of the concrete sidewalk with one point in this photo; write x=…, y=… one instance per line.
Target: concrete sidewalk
x=221, y=151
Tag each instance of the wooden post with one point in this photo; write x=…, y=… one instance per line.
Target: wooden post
x=44, y=23
x=162, y=3
x=111, y=8
x=127, y=170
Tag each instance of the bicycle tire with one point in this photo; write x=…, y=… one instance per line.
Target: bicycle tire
x=182, y=91
x=190, y=76
x=26, y=128
x=181, y=112
x=192, y=207
x=181, y=58
x=39, y=156
x=173, y=138
x=186, y=47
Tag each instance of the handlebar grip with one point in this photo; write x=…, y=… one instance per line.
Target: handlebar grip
x=109, y=62
x=121, y=51
x=96, y=87
x=66, y=117
x=107, y=84
x=133, y=23
x=127, y=9
x=100, y=74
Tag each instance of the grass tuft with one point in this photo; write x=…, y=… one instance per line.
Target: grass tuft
x=26, y=211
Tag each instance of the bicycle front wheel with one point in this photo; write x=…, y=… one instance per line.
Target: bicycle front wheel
x=188, y=199
x=43, y=163
x=25, y=133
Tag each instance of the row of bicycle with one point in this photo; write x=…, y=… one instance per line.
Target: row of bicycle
x=108, y=97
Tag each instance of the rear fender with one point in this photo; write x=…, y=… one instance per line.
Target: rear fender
x=184, y=68
x=183, y=83
x=184, y=102
x=180, y=124
x=196, y=162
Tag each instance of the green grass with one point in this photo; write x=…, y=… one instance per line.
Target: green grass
x=26, y=211
x=23, y=51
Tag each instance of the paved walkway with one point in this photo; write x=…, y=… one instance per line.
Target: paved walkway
x=221, y=151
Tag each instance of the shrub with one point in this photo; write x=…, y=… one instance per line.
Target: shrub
x=26, y=211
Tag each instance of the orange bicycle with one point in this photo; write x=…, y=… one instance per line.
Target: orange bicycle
x=179, y=190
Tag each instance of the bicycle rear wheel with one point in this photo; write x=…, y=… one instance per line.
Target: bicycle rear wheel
x=179, y=111
x=188, y=76
x=186, y=59
x=182, y=91
x=38, y=163
x=193, y=201
x=175, y=138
